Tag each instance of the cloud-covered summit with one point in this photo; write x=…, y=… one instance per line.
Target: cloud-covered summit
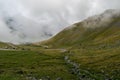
x=35, y=20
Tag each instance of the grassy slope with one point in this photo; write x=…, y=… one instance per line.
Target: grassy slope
x=2, y=44
x=80, y=36
x=97, y=50
x=103, y=64
x=7, y=45
x=18, y=65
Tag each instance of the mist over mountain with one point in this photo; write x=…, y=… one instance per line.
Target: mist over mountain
x=35, y=20
x=99, y=31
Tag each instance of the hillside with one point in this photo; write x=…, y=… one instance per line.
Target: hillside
x=100, y=30
x=4, y=46
x=94, y=44
x=88, y=50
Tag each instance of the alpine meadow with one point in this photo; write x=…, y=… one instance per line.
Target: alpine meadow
x=59, y=40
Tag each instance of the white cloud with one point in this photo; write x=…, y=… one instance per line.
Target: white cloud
x=35, y=20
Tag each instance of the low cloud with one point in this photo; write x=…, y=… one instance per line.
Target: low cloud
x=35, y=20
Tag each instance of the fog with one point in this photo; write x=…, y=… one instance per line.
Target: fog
x=35, y=20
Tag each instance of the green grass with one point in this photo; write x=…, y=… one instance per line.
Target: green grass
x=17, y=65
x=2, y=44
x=102, y=64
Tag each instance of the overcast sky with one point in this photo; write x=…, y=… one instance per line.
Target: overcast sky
x=35, y=20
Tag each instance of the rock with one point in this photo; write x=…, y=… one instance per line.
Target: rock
x=59, y=78
x=33, y=78
x=102, y=71
x=66, y=57
x=68, y=61
x=46, y=78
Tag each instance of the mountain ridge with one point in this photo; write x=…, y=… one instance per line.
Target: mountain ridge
x=96, y=30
